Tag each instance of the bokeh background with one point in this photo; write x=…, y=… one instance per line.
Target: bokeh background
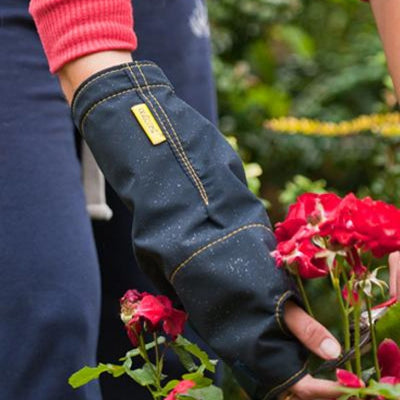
x=318, y=59
x=305, y=96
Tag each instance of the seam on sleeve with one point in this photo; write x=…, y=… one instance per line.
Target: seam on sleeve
x=213, y=243
x=288, y=381
x=109, y=98
x=185, y=158
x=278, y=311
x=178, y=155
x=94, y=79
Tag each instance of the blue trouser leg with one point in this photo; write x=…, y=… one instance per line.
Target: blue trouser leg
x=49, y=279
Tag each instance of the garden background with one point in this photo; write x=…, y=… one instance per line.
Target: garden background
x=316, y=59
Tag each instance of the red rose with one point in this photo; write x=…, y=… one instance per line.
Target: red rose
x=133, y=330
x=348, y=379
x=181, y=388
x=175, y=319
x=152, y=309
x=389, y=359
x=379, y=223
x=340, y=228
x=153, y=312
x=301, y=255
x=129, y=303
x=310, y=210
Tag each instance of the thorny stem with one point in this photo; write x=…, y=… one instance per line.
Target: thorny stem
x=357, y=352
x=373, y=338
x=344, y=316
x=303, y=294
x=145, y=356
x=158, y=361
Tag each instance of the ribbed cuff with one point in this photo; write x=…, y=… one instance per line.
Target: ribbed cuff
x=70, y=29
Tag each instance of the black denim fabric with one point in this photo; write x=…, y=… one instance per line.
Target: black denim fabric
x=198, y=232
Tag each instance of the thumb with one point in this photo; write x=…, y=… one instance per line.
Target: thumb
x=311, y=333
x=394, y=266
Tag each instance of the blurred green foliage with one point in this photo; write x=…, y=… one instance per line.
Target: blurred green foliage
x=318, y=59
x=312, y=58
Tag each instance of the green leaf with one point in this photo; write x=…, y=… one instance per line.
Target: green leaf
x=206, y=393
x=143, y=376
x=388, y=325
x=197, y=352
x=198, y=377
x=87, y=374
x=389, y=392
x=170, y=385
x=185, y=357
x=135, y=352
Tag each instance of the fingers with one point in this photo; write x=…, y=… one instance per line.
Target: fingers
x=311, y=333
x=310, y=388
x=394, y=266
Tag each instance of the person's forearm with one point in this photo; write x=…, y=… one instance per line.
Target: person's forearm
x=387, y=16
x=75, y=72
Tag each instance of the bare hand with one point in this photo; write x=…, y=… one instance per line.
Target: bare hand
x=394, y=266
x=321, y=342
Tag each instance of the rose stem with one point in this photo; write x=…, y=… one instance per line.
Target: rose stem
x=357, y=352
x=344, y=316
x=158, y=359
x=373, y=338
x=303, y=293
x=145, y=356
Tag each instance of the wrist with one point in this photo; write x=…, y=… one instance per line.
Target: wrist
x=72, y=74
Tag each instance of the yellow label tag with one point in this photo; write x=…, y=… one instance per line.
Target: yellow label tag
x=148, y=123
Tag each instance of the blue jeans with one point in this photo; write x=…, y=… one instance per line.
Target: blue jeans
x=49, y=276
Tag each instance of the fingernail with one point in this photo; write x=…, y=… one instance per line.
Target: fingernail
x=330, y=348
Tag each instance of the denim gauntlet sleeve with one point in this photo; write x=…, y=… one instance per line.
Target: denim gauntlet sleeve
x=198, y=232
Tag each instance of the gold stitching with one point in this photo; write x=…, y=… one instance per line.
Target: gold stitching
x=156, y=113
x=286, y=382
x=173, y=144
x=211, y=244
x=90, y=82
x=277, y=308
x=185, y=162
x=98, y=77
x=192, y=172
x=108, y=98
x=194, y=175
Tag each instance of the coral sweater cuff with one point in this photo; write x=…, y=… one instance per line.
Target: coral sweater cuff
x=70, y=29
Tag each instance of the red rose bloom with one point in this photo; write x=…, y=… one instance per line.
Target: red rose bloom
x=348, y=379
x=181, y=388
x=301, y=255
x=310, y=210
x=340, y=228
x=143, y=310
x=129, y=302
x=379, y=224
x=174, y=320
x=389, y=360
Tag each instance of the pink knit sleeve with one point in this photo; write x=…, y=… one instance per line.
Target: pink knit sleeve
x=70, y=29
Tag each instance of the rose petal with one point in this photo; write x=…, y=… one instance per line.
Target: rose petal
x=348, y=379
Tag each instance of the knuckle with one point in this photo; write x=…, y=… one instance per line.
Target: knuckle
x=313, y=332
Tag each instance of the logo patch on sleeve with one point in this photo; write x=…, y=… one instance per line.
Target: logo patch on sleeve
x=148, y=124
